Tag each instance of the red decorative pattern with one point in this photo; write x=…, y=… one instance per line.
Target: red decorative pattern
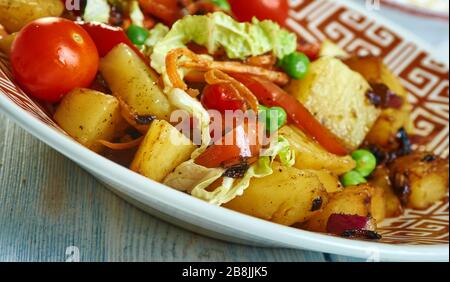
x=425, y=79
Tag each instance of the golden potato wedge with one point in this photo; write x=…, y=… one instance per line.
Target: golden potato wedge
x=351, y=201
x=310, y=155
x=15, y=14
x=134, y=83
x=286, y=197
x=420, y=179
x=329, y=181
x=6, y=43
x=392, y=205
x=89, y=116
x=162, y=150
x=336, y=96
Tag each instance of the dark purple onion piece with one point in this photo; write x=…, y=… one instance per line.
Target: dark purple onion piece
x=339, y=224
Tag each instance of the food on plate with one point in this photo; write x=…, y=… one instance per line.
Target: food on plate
x=336, y=96
x=221, y=102
x=419, y=179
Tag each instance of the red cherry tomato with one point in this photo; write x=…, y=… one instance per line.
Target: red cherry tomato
x=222, y=97
x=245, y=10
x=244, y=145
x=167, y=11
x=52, y=56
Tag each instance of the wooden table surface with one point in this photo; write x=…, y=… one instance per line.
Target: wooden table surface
x=52, y=210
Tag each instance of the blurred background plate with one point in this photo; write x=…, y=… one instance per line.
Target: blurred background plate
x=426, y=8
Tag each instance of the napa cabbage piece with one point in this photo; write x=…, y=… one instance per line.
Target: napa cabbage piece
x=195, y=179
x=218, y=30
x=136, y=15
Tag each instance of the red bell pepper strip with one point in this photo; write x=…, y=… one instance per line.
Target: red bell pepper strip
x=269, y=94
x=107, y=37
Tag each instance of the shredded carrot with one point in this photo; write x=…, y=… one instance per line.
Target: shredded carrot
x=216, y=77
x=172, y=66
x=122, y=146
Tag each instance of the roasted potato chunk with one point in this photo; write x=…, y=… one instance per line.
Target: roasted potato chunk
x=89, y=116
x=377, y=204
x=375, y=71
x=286, y=197
x=420, y=179
x=15, y=14
x=162, y=150
x=336, y=96
x=392, y=205
x=310, y=155
x=391, y=120
x=134, y=83
x=351, y=201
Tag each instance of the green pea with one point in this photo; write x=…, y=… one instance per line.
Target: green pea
x=352, y=178
x=366, y=162
x=137, y=34
x=296, y=65
x=223, y=4
x=276, y=118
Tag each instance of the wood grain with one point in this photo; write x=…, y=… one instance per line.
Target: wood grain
x=48, y=203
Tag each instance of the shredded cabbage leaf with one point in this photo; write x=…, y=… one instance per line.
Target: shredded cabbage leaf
x=97, y=11
x=156, y=34
x=218, y=30
x=195, y=179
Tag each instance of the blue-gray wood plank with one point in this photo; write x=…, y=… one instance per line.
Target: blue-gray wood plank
x=48, y=203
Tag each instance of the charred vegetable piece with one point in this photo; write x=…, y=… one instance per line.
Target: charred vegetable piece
x=161, y=151
x=355, y=200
